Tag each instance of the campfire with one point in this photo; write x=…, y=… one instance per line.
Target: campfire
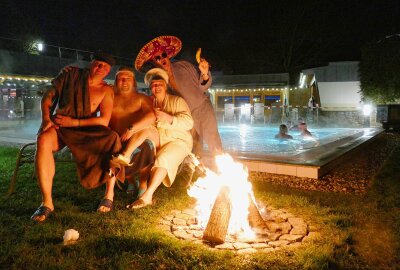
x=226, y=203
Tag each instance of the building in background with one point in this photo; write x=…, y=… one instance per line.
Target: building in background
x=336, y=91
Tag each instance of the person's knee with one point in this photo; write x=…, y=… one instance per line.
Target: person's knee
x=47, y=140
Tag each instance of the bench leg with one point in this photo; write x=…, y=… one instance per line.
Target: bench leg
x=11, y=188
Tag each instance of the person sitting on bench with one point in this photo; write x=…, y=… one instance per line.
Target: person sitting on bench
x=76, y=112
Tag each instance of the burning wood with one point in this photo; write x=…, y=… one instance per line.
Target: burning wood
x=217, y=226
x=225, y=202
x=256, y=221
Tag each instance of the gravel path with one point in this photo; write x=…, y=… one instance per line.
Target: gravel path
x=349, y=177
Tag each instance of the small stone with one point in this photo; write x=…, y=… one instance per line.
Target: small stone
x=285, y=227
x=260, y=245
x=247, y=251
x=179, y=228
x=291, y=237
x=194, y=227
x=246, y=240
x=179, y=221
x=296, y=222
x=191, y=220
x=299, y=230
x=278, y=243
x=273, y=227
x=168, y=217
x=225, y=246
x=198, y=234
x=274, y=236
x=240, y=245
x=182, y=235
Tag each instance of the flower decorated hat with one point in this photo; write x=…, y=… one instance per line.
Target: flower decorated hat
x=171, y=45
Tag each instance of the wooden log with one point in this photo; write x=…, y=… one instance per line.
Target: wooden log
x=256, y=221
x=217, y=226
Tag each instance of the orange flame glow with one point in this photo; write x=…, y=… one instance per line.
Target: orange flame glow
x=205, y=190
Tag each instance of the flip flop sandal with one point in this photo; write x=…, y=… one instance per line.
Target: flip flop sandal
x=41, y=211
x=106, y=203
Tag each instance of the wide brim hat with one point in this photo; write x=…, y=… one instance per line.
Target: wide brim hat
x=169, y=44
x=104, y=57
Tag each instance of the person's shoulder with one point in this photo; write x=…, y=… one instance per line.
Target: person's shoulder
x=108, y=89
x=142, y=95
x=143, y=98
x=69, y=71
x=175, y=98
x=182, y=63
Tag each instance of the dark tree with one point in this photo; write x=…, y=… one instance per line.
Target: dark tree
x=380, y=70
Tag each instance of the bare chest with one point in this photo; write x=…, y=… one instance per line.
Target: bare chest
x=126, y=106
x=96, y=95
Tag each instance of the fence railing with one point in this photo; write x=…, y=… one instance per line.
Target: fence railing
x=44, y=49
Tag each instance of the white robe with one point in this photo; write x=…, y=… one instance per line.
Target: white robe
x=176, y=141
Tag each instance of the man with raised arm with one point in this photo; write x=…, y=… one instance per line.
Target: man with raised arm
x=188, y=81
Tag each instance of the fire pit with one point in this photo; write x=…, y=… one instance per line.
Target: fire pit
x=282, y=229
x=226, y=215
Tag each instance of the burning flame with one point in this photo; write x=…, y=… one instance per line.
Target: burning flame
x=234, y=176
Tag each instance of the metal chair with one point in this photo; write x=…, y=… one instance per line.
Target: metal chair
x=26, y=154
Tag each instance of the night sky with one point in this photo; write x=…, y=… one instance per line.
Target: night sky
x=237, y=37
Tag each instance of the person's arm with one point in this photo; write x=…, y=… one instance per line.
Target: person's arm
x=47, y=101
x=181, y=119
x=148, y=118
x=205, y=79
x=106, y=107
x=146, y=106
x=46, y=104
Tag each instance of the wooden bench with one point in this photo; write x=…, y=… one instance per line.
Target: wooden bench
x=26, y=154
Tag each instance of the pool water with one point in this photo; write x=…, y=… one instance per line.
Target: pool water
x=260, y=140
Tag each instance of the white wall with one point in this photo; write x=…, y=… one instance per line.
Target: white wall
x=337, y=96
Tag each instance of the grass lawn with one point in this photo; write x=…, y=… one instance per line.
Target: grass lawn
x=356, y=232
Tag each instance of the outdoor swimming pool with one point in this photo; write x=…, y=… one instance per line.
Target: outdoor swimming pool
x=260, y=140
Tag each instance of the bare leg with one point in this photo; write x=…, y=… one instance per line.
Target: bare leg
x=157, y=176
x=135, y=141
x=144, y=177
x=109, y=194
x=47, y=143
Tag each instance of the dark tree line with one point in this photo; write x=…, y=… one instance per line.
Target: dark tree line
x=380, y=70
